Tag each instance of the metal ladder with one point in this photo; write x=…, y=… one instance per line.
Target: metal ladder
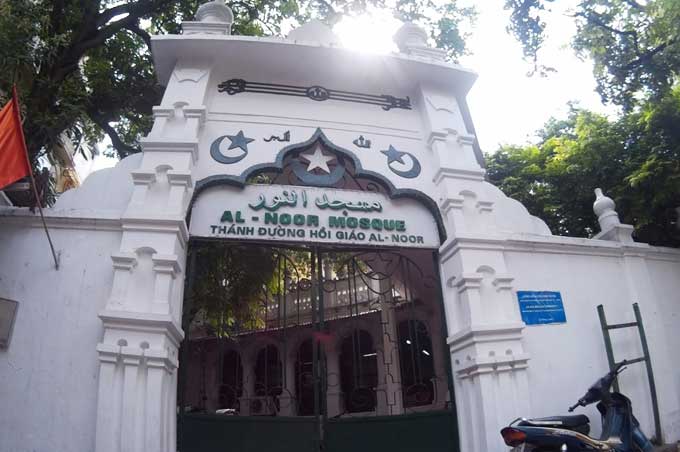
x=645, y=357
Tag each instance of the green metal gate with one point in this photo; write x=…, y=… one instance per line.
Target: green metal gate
x=313, y=349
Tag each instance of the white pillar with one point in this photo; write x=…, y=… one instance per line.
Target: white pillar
x=482, y=317
x=248, y=385
x=333, y=392
x=287, y=400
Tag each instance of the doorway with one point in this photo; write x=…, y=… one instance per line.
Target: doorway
x=312, y=348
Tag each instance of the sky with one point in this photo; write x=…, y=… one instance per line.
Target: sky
x=507, y=105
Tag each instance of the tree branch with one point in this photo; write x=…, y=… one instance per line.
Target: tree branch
x=122, y=147
x=78, y=49
x=110, y=13
x=56, y=16
x=141, y=33
x=635, y=5
x=597, y=20
x=646, y=56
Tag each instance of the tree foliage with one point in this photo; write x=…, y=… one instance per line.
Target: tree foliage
x=634, y=45
x=84, y=68
x=227, y=286
x=635, y=159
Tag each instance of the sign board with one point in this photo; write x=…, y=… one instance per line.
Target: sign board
x=8, y=311
x=288, y=213
x=538, y=308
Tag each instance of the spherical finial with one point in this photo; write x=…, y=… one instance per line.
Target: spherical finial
x=412, y=40
x=215, y=11
x=410, y=36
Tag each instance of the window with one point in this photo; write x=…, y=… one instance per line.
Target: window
x=304, y=378
x=417, y=364
x=231, y=386
x=358, y=372
x=268, y=375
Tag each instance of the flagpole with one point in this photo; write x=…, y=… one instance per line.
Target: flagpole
x=30, y=172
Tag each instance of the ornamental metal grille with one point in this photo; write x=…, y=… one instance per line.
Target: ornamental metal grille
x=301, y=342
x=315, y=92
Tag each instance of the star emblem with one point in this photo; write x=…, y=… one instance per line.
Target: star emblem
x=239, y=141
x=318, y=159
x=393, y=155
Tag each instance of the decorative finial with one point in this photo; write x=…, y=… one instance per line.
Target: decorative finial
x=215, y=11
x=412, y=40
x=604, y=209
x=410, y=36
x=610, y=225
x=314, y=31
x=213, y=17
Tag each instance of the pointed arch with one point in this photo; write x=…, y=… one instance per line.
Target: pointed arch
x=277, y=167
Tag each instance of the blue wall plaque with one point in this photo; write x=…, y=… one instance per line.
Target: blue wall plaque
x=538, y=308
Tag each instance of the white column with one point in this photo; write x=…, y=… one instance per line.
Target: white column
x=287, y=405
x=487, y=354
x=153, y=441
x=138, y=411
x=248, y=385
x=110, y=390
x=333, y=392
x=131, y=389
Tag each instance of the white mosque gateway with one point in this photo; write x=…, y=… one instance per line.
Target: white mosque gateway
x=306, y=257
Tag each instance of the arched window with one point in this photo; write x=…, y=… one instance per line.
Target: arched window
x=304, y=379
x=358, y=372
x=231, y=386
x=417, y=363
x=268, y=372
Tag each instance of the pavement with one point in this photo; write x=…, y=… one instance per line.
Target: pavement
x=668, y=448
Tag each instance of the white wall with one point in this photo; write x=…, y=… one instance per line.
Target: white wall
x=567, y=358
x=48, y=375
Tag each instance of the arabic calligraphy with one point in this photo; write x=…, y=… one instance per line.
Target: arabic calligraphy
x=362, y=142
x=287, y=198
x=286, y=137
x=337, y=204
x=290, y=198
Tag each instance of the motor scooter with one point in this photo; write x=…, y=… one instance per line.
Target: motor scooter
x=620, y=430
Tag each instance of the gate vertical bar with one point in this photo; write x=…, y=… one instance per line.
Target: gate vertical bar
x=314, y=298
x=607, y=343
x=322, y=355
x=650, y=372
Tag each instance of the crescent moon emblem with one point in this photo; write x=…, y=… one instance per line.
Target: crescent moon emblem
x=216, y=154
x=408, y=174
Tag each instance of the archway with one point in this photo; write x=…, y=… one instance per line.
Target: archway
x=311, y=264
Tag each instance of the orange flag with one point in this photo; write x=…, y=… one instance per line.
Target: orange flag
x=13, y=154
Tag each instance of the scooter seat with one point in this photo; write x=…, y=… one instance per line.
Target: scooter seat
x=558, y=421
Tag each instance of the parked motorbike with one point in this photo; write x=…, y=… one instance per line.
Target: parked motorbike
x=620, y=430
